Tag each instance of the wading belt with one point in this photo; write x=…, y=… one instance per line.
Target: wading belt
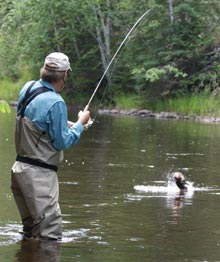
x=29, y=96
x=35, y=163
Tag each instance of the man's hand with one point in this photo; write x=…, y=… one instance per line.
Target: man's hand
x=83, y=117
x=70, y=123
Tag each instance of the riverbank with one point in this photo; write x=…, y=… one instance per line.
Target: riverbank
x=161, y=115
x=150, y=114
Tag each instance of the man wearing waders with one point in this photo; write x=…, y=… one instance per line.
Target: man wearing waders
x=42, y=133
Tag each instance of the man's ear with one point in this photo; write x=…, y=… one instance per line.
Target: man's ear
x=65, y=75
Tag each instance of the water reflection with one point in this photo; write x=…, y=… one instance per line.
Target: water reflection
x=38, y=251
x=175, y=198
x=176, y=208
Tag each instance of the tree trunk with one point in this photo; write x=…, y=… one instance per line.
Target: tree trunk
x=103, y=25
x=55, y=30
x=171, y=11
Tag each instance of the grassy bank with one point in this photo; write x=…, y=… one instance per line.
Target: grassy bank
x=203, y=104
x=192, y=105
x=10, y=89
x=8, y=92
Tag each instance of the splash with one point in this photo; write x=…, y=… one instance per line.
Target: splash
x=74, y=235
x=9, y=235
x=169, y=189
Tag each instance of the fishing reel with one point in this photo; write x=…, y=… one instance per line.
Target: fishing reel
x=86, y=126
x=89, y=123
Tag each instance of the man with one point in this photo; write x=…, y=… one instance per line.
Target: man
x=42, y=133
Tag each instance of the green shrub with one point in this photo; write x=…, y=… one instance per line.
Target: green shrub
x=9, y=89
x=129, y=101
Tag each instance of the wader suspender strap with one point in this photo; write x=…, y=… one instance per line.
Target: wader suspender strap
x=29, y=96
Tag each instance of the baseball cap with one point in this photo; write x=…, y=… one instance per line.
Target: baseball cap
x=57, y=61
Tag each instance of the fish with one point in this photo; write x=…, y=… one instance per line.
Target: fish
x=180, y=180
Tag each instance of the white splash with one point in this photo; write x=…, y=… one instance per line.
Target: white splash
x=9, y=234
x=170, y=189
x=74, y=235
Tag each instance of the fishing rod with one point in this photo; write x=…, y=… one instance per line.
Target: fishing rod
x=90, y=122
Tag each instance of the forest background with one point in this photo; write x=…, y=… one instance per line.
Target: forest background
x=170, y=62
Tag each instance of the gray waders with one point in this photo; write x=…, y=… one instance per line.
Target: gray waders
x=36, y=193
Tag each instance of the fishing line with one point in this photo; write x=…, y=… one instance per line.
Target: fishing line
x=110, y=76
x=90, y=122
x=112, y=70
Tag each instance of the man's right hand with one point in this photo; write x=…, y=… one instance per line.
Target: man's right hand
x=83, y=117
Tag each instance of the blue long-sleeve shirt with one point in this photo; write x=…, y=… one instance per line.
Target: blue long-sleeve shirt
x=49, y=113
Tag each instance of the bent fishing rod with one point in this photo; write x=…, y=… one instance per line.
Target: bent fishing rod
x=90, y=122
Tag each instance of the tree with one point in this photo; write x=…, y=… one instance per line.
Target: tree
x=180, y=45
x=172, y=51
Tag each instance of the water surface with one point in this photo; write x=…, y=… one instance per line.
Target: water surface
x=117, y=197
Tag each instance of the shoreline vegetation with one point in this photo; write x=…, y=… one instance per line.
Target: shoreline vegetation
x=169, y=64
x=149, y=114
x=162, y=115
x=206, y=111
x=203, y=107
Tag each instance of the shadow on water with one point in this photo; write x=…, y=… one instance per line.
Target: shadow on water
x=117, y=199
x=38, y=251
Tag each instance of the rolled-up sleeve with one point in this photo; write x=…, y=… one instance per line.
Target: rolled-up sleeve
x=61, y=136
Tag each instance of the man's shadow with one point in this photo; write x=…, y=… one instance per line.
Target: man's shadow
x=38, y=251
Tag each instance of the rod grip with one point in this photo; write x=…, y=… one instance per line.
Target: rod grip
x=86, y=108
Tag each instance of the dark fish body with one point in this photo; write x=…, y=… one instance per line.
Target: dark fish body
x=180, y=180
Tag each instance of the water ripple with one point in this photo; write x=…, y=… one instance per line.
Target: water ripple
x=9, y=234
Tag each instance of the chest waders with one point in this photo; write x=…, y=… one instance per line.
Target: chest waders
x=29, y=96
x=34, y=182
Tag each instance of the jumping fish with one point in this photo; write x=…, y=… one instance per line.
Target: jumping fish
x=180, y=180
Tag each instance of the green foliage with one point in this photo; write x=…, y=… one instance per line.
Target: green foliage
x=202, y=104
x=161, y=57
x=155, y=74
x=4, y=107
x=9, y=89
x=129, y=101
x=181, y=46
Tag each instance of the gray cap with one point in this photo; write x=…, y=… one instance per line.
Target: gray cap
x=57, y=61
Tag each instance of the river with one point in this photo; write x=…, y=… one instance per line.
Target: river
x=117, y=196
